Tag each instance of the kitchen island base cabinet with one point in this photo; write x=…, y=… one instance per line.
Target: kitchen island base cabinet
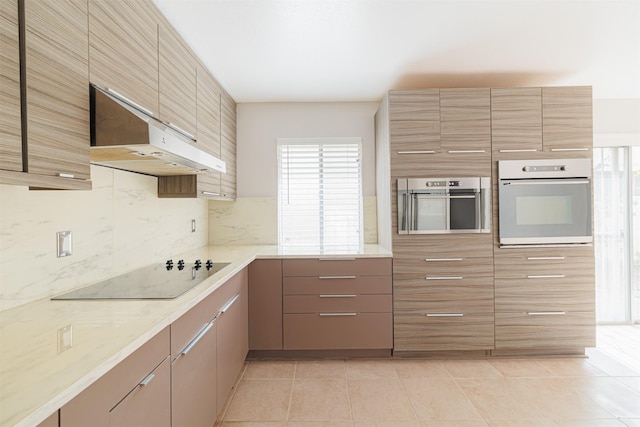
x=136, y=392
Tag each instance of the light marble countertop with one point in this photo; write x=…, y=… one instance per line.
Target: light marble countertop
x=36, y=378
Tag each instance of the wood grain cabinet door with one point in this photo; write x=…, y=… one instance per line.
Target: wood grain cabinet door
x=123, y=49
x=567, y=118
x=10, y=121
x=177, y=80
x=57, y=84
x=228, y=151
x=516, y=119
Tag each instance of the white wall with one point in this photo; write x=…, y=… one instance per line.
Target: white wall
x=253, y=219
x=616, y=122
x=118, y=226
x=260, y=124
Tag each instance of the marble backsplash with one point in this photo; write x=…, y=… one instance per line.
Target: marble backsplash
x=254, y=221
x=118, y=226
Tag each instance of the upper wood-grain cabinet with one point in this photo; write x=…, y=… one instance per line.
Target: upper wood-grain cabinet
x=516, y=119
x=123, y=49
x=57, y=96
x=556, y=121
x=177, y=80
x=10, y=118
x=567, y=118
x=228, y=149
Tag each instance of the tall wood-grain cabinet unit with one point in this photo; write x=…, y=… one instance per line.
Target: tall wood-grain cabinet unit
x=123, y=49
x=54, y=106
x=10, y=118
x=228, y=141
x=136, y=392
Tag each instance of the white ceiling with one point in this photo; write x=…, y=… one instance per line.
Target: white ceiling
x=356, y=50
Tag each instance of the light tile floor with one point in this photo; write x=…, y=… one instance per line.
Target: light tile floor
x=602, y=390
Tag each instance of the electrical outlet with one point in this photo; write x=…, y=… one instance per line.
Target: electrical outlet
x=65, y=338
x=64, y=243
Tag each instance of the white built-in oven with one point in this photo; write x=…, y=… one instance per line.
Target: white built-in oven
x=444, y=205
x=545, y=202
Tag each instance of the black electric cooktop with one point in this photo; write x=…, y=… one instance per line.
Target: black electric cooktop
x=162, y=281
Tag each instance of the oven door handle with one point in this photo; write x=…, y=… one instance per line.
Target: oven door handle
x=540, y=182
x=445, y=197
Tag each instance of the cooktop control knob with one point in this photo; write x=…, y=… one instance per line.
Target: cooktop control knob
x=169, y=264
x=198, y=264
x=181, y=264
x=209, y=264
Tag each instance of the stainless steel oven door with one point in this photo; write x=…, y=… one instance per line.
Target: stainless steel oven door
x=545, y=211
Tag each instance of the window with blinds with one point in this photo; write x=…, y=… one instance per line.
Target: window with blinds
x=320, y=193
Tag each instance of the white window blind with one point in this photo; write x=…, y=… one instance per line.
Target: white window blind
x=320, y=193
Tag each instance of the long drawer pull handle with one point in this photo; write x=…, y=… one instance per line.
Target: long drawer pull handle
x=66, y=175
x=146, y=380
x=547, y=276
x=197, y=338
x=338, y=296
x=228, y=305
x=444, y=277
x=570, y=149
x=417, y=152
x=465, y=151
x=443, y=259
x=546, y=313
x=545, y=258
x=444, y=314
x=336, y=258
x=335, y=277
x=525, y=150
x=209, y=193
x=337, y=314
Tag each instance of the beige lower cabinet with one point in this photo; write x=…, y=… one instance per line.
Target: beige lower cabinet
x=194, y=366
x=136, y=392
x=52, y=421
x=265, y=304
x=337, y=304
x=545, y=298
x=233, y=333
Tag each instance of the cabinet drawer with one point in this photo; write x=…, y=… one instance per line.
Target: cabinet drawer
x=337, y=285
x=337, y=267
x=545, y=294
x=332, y=303
x=417, y=332
x=359, y=331
x=523, y=330
x=462, y=245
x=191, y=323
x=445, y=268
x=466, y=295
x=522, y=265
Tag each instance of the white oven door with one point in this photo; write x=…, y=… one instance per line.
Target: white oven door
x=545, y=211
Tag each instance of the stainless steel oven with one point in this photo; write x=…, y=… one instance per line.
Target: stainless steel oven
x=443, y=205
x=545, y=202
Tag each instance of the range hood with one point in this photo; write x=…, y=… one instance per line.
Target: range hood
x=124, y=136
